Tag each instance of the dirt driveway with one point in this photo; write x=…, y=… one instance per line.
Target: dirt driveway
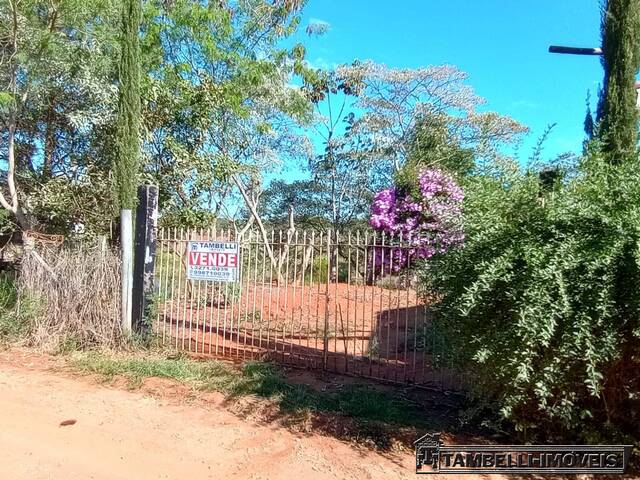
x=130, y=435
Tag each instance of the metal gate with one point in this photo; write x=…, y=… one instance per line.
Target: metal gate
x=320, y=300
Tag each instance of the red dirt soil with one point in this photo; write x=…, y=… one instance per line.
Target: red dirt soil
x=370, y=331
x=163, y=431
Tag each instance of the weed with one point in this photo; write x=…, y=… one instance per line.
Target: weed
x=265, y=380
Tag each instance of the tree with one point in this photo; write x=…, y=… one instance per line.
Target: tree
x=127, y=162
x=343, y=172
x=344, y=175
x=541, y=302
x=61, y=105
x=374, y=121
x=219, y=109
x=433, y=145
x=303, y=196
x=589, y=125
x=11, y=100
x=395, y=101
x=617, y=110
x=427, y=215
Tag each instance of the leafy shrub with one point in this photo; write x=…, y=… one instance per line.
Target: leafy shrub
x=542, y=302
x=320, y=268
x=16, y=311
x=58, y=203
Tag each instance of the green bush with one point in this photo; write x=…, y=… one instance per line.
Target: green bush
x=15, y=311
x=321, y=270
x=542, y=303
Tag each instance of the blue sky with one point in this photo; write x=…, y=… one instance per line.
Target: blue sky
x=502, y=44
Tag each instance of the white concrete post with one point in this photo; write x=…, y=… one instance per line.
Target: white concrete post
x=126, y=245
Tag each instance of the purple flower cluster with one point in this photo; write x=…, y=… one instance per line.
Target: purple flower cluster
x=417, y=228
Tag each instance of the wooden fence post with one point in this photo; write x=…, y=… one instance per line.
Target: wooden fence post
x=145, y=256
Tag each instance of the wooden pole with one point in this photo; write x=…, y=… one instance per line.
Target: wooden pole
x=145, y=256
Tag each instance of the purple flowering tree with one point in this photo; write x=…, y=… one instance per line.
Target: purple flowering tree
x=416, y=228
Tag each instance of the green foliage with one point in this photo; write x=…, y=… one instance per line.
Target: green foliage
x=542, y=301
x=186, y=217
x=434, y=146
x=7, y=225
x=15, y=310
x=65, y=100
x=57, y=203
x=217, y=100
x=306, y=198
x=126, y=165
x=617, y=110
x=320, y=269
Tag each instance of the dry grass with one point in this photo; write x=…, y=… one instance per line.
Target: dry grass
x=74, y=295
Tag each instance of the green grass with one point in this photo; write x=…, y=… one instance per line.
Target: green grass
x=265, y=380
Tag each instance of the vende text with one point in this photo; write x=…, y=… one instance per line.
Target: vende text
x=213, y=259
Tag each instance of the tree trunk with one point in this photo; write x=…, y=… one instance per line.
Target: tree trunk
x=263, y=231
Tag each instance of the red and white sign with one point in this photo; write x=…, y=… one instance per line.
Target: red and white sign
x=217, y=261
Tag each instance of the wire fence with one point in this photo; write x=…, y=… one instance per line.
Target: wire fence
x=322, y=300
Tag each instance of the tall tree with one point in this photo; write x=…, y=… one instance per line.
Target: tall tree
x=617, y=110
x=11, y=100
x=126, y=164
x=391, y=103
x=435, y=146
x=219, y=108
x=589, y=124
x=343, y=171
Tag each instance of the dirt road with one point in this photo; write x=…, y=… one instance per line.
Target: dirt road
x=130, y=435
x=161, y=432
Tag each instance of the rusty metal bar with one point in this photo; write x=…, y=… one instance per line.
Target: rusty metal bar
x=303, y=270
x=325, y=338
x=346, y=335
x=162, y=284
x=294, y=307
x=397, y=317
x=380, y=324
x=312, y=247
x=184, y=262
x=226, y=302
x=262, y=288
x=270, y=303
x=219, y=303
x=335, y=273
x=209, y=293
x=255, y=293
x=317, y=331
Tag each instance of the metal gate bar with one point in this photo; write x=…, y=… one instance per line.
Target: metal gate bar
x=321, y=300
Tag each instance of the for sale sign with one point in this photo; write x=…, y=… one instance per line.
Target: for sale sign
x=217, y=261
